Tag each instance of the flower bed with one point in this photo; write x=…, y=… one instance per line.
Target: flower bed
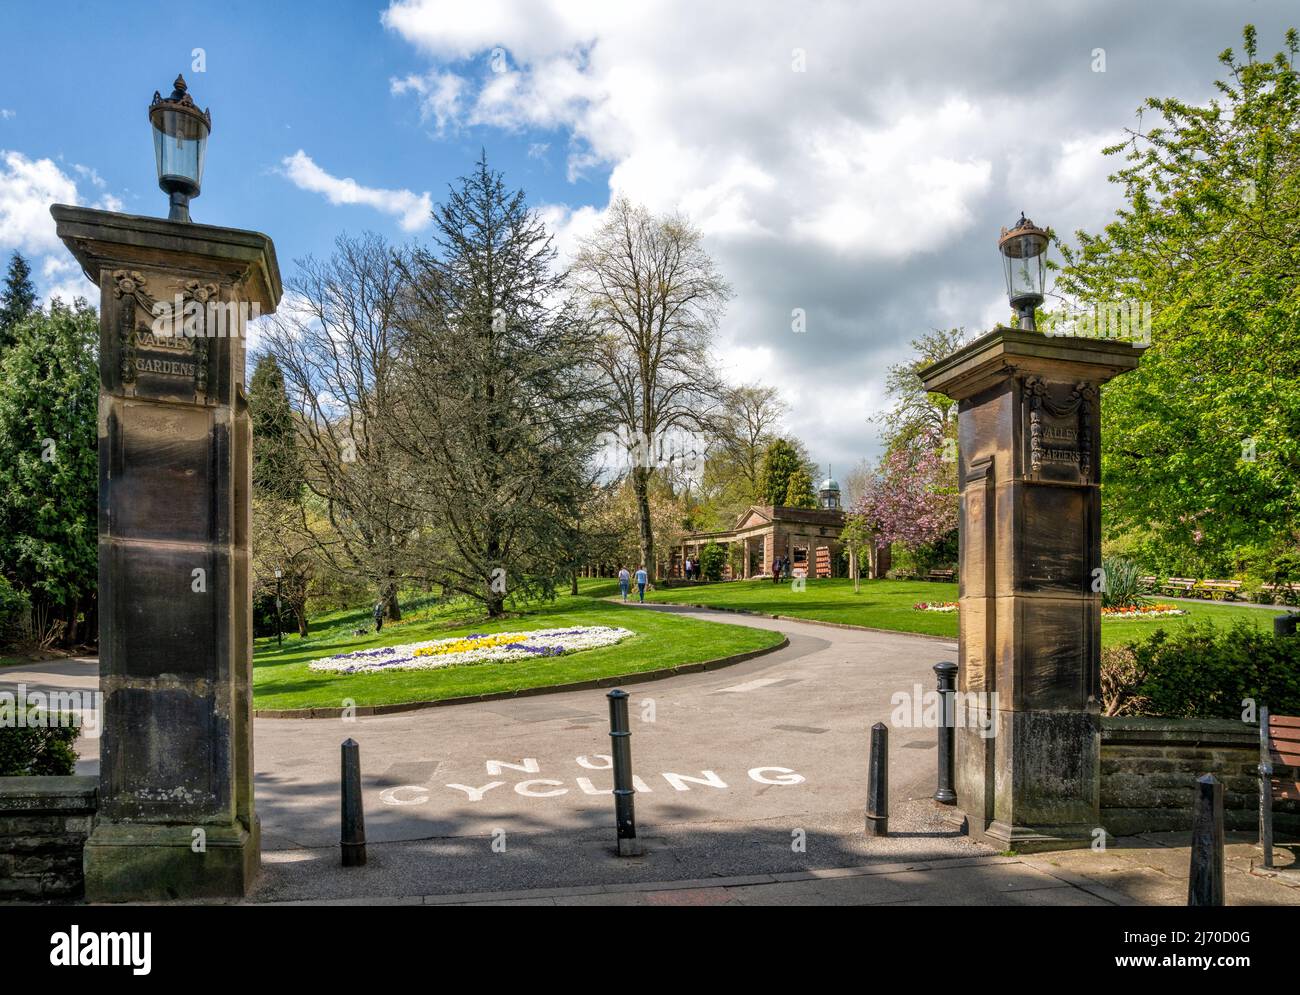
x=1143, y=611
x=935, y=606
x=496, y=647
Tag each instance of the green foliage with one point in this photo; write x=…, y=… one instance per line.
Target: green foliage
x=712, y=559
x=1122, y=588
x=14, y=610
x=17, y=300
x=37, y=749
x=1201, y=446
x=49, y=476
x=799, y=491
x=780, y=462
x=1202, y=672
x=277, y=461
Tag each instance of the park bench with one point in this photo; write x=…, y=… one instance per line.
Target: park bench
x=1279, y=770
x=1277, y=590
x=1148, y=583
x=1177, y=585
x=947, y=575
x=1220, y=590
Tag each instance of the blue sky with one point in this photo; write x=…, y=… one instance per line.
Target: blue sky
x=852, y=160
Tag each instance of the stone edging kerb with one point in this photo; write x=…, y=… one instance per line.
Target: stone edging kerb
x=599, y=682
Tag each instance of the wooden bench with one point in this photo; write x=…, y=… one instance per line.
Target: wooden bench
x=1278, y=590
x=1148, y=583
x=1176, y=584
x=948, y=575
x=1220, y=590
x=1279, y=770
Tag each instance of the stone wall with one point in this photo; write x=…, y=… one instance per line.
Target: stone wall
x=1148, y=768
x=44, y=822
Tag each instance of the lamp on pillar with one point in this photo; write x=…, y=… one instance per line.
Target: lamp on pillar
x=1028, y=467
x=180, y=143
x=1024, y=257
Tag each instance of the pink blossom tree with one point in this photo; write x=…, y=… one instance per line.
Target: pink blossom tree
x=909, y=499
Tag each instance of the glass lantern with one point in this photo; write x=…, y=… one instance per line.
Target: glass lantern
x=1024, y=258
x=180, y=141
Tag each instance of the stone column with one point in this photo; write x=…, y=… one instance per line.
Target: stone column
x=1030, y=623
x=176, y=817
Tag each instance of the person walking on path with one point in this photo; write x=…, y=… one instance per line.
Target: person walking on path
x=378, y=614
x=688, y=568
x=776, y=570
x=624, y=580
x=642, y=578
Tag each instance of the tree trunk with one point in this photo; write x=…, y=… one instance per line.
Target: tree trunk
x=300, y=613
x=641, y=486
x=573, y=585
x=392, y=610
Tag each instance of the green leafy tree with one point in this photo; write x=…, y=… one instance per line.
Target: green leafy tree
x=799, y=490
x=17, y=300
x=712, y=560
x=1201, y=444
x=49, y=477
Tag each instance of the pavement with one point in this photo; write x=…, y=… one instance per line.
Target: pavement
x=751, y=787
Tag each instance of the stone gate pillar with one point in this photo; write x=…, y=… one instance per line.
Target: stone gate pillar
x=1030, y=622
x=176, y=817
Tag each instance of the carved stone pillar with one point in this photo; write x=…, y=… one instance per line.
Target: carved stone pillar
x=176, y=817
x=1030, y=622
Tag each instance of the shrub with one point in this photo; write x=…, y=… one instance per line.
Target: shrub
x=1202, y=672
x=712, y=558
x=15, y=609
x=41, y=747
x=1122, y=588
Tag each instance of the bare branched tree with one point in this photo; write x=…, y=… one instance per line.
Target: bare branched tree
x=655, y=298
x=337, y=347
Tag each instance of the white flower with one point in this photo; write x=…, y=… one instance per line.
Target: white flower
x=526, y=645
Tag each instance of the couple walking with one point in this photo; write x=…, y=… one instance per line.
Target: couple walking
x=625, y=579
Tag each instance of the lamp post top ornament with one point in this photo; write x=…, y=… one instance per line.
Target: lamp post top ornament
x=180, y=100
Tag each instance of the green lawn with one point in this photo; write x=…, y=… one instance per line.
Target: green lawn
x=887, y=604
x=281, y=679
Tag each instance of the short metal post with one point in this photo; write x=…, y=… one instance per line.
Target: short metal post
x=878, y=782
x=947, y=674
x=1265, y=789
x=620, y=737
x=1285, y=625
x=1205, y=882
x=354, y=818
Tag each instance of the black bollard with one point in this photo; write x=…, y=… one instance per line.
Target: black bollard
x=1285, y=625
x=947, y=674
x=620, y=737
x=354, y=818
x=1205, y=883
x=878, y=782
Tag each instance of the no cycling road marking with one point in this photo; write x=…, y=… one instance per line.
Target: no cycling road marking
x=543, y=787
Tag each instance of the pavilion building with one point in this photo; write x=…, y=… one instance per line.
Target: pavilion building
x=808, y=539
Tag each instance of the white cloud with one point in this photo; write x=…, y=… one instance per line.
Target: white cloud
x=411, y=210
x=439, y=94
x=27, y=189
x=6, y=114
x=868, y=188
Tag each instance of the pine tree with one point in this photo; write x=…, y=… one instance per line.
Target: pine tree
x=17, y=300
x=277, y=462
x=799, y=491
x=780, y=461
